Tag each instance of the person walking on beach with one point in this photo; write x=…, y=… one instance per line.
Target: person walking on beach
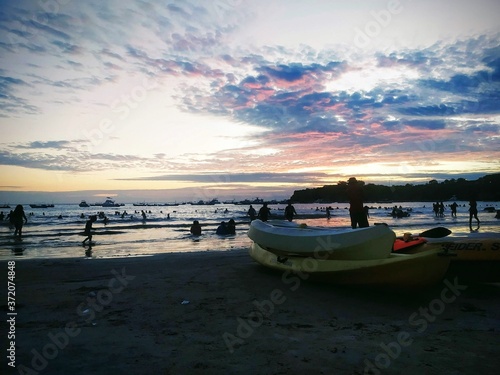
x=473, y=212
x=356, y=208
x=18, y=218
x=88, y=229
x=264, y=212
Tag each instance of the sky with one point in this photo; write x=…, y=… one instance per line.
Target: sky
x=186, y=100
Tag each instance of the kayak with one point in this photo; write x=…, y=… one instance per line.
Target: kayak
x=402, y=245
x=466, y=249
x=477, y=259
x=289, y=239
x=398, y=270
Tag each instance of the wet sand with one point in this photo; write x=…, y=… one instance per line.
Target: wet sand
x=221, y=313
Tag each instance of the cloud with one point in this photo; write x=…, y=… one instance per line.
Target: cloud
x=231, y=177
x=317, y=108
x=58, y=145
x=10, y=102
x=297, y=98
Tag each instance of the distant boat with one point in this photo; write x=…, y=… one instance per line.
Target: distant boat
x=83, y=204
x=4, y=206
x=41, y=205
x=110, y=203
x=210, y=203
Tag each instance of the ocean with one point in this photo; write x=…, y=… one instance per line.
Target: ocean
x=57, y=232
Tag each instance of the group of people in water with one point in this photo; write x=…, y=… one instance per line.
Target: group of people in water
x=358, y=213
x=439, y=208
x=265, y=212
x=222, y=230
x=229, y=228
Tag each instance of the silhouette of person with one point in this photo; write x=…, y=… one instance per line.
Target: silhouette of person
x=252, y=213
x=356, y=209
x=289, y=212
x=441, y=209
x=264, y=212
x=17, y=217
x=88, y=229
x=10, y=217
x=222, y=229
x=453, y=207
x=473, y=212
x=195, y=228
x=435, y=208
x=231, y=227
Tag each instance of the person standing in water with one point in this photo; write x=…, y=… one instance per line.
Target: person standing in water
x=252, y=213
x=453, y=207
x=290, y=212
x=195, y=228
x=473, y=212
x=18, y=219
x=264, y=212
x=356, y=209
x=88, y=229
x=231, y=227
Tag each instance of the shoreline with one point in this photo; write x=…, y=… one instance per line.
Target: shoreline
x=215, y=312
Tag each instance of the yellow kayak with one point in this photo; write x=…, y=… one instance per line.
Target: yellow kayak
x=477, y=258
x=423, y=268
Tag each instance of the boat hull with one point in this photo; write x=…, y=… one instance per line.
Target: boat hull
x=466, y=249
x=405, y=271
x=41, y=205
x=293, y=240
x=474, y=260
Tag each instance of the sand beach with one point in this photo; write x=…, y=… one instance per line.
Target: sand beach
x=220, y=312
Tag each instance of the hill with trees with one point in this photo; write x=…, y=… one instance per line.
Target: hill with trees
x=486, y=188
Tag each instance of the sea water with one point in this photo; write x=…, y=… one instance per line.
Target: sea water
x=58, y=231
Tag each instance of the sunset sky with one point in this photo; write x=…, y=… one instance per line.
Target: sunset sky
x=188, y=100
